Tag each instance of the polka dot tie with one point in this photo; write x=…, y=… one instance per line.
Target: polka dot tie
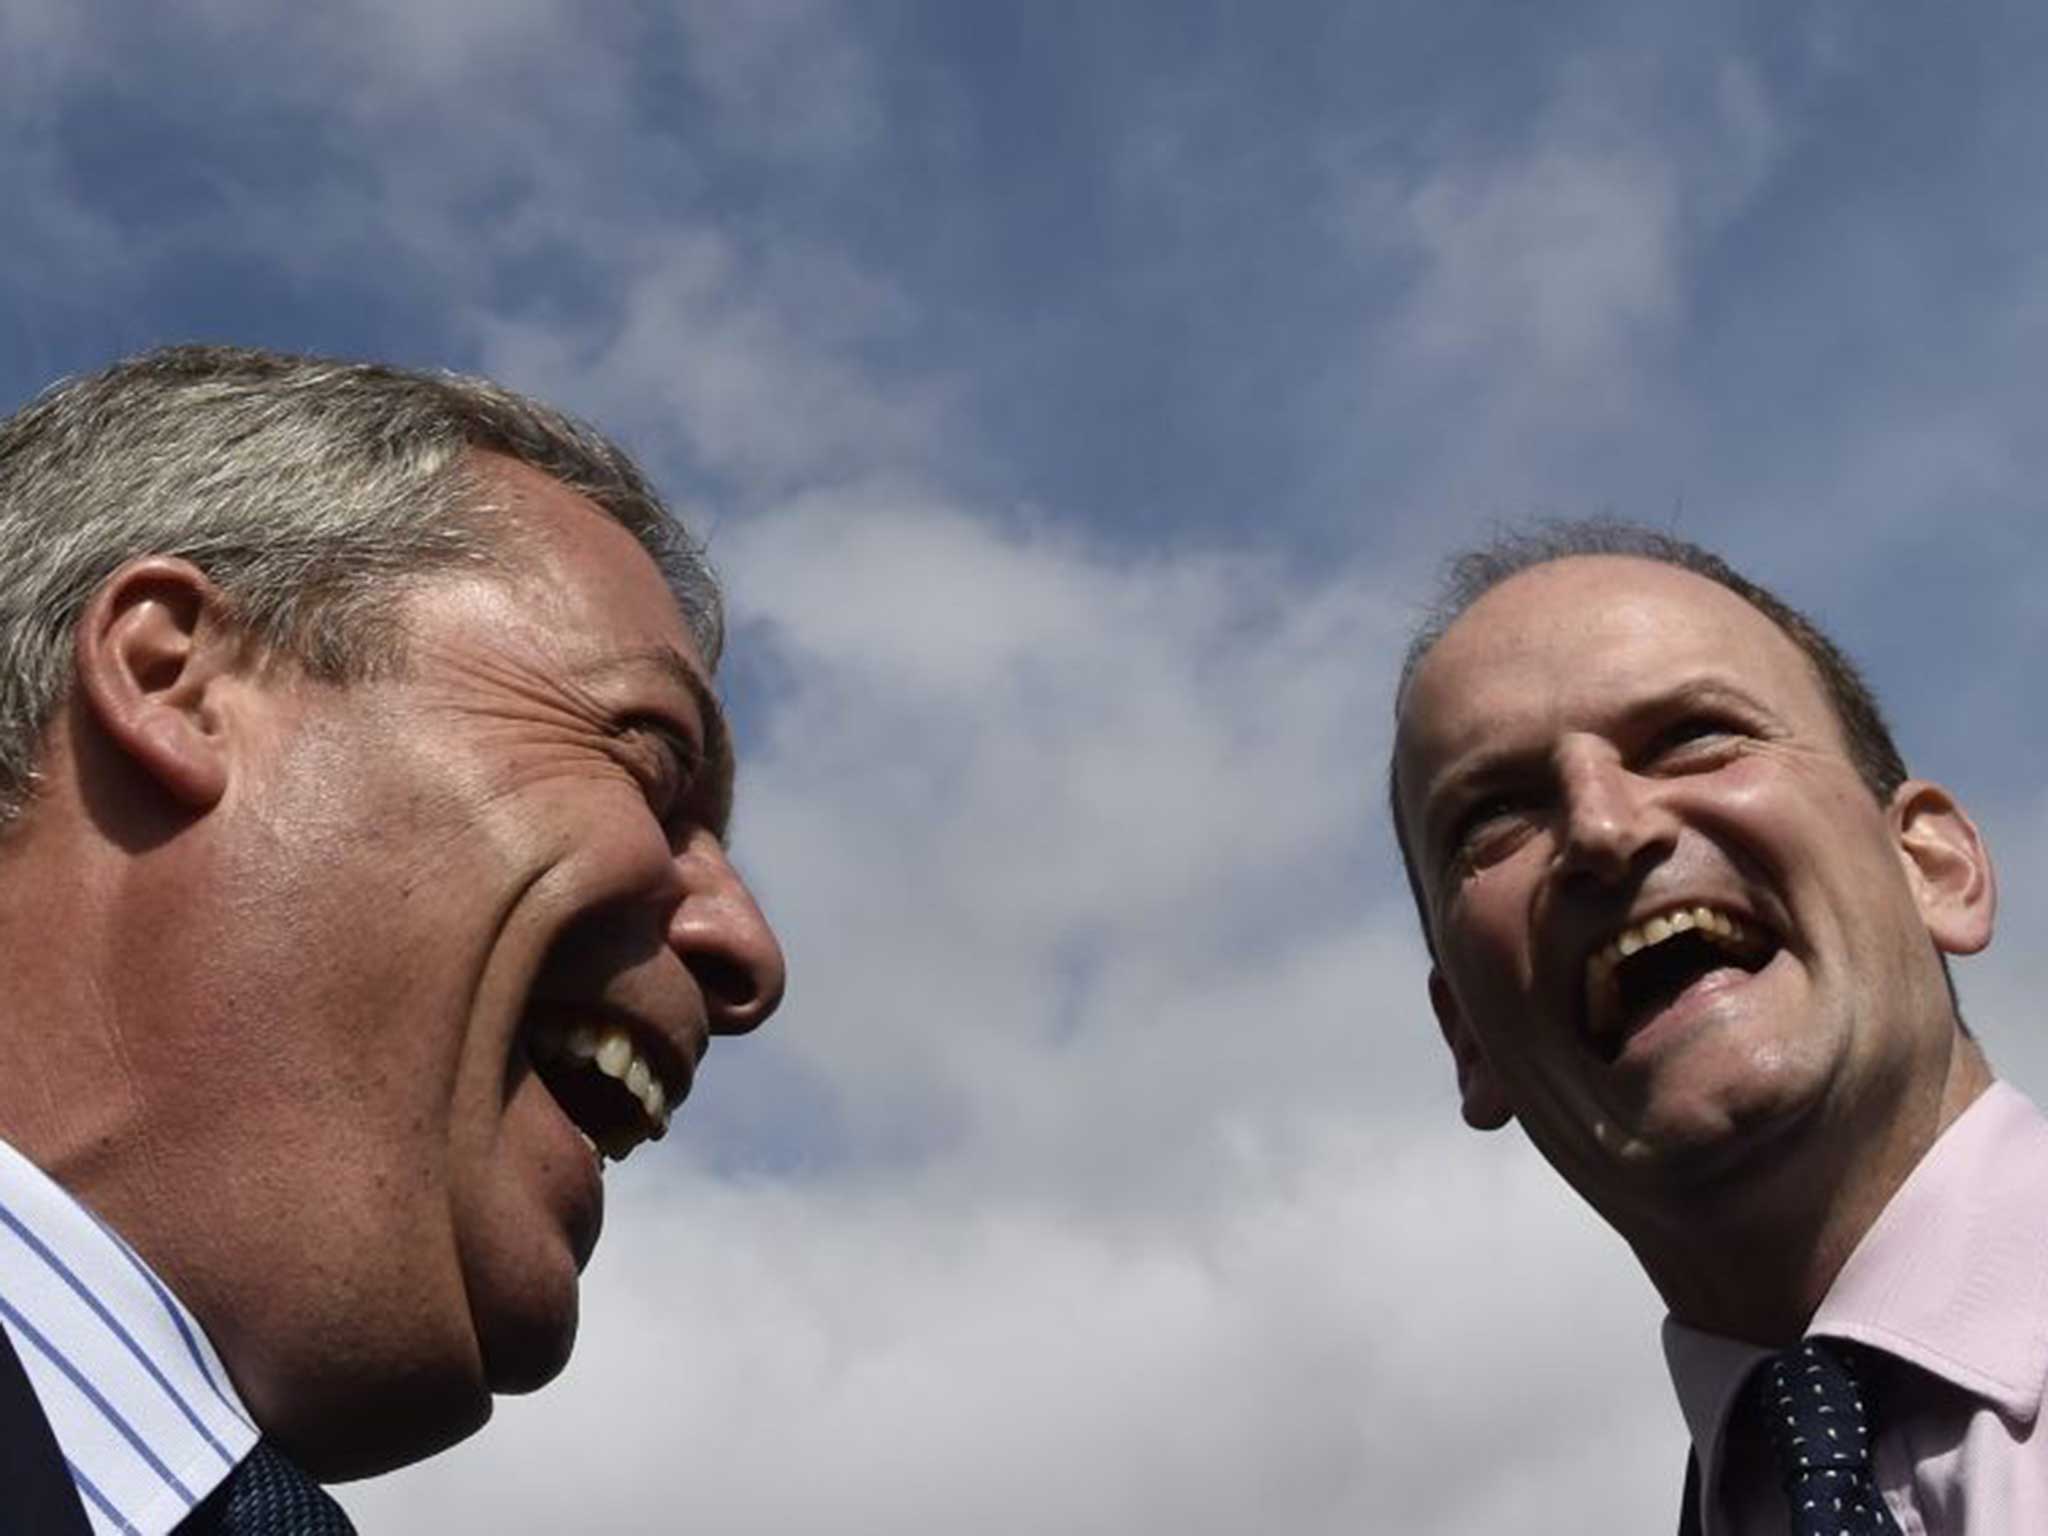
x=1813, y=1415
x=267, y=1495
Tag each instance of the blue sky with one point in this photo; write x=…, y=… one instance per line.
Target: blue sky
x=1078, y=399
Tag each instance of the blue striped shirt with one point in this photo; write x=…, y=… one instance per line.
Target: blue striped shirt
x=147, y=1419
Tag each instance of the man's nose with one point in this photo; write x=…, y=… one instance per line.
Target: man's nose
x=1613, y=816
x=724, y=939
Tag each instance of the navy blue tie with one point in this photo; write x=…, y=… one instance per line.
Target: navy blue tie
x=1811, y=1407
x=267, y=1495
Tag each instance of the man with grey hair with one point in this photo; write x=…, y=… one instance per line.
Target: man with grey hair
x=364, y=889
x=1689, y=920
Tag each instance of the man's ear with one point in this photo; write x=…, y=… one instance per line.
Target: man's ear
x=150, y=652
x=1486, y=1107
x=1947, y=865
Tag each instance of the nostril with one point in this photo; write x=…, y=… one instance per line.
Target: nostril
x=725, y=982
x=737, y=995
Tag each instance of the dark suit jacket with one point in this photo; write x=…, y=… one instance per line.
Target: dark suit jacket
x=1689, y=1516
x=37, y=1496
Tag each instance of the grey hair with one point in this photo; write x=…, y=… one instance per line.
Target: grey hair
x=313, y=492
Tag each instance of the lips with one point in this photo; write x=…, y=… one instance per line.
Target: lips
x=1658, y=957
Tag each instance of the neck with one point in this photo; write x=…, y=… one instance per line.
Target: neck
x=105, y=1083
x=68, y=1099
x=1753, y=1257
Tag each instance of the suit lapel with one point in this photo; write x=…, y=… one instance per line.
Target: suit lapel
x=37, y=1496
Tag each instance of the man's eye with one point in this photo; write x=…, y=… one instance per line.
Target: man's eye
x=1488, y=830
x=666, y=767
x=1697, y=740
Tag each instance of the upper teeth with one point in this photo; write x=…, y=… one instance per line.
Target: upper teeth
x=611, y=1050
x=1654, y=931
x=1657, y=929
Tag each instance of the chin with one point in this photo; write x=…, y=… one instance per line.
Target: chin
x=405, y=1393
x=532, y=1365
x=404, y=1419
x=376, y=1432
x=1704, y=1147
x=527, y=1344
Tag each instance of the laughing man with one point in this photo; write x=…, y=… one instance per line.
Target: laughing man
x=1689, y=921
x=362, y=888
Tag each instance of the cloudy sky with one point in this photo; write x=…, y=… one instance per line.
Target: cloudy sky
x=1078, y=399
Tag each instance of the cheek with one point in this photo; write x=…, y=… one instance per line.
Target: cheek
x=1796, y=823
x=1489, y=978
x=602, y=818
x=1486, y=924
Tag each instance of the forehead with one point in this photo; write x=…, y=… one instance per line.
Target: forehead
x=1563, y=644
x=576, y=563
x=573, y=597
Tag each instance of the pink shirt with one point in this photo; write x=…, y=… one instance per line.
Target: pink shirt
x=1951, y=1284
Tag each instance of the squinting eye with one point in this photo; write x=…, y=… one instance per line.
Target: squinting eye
x=1488, y=830
x=665, y=767
x=1696, y=736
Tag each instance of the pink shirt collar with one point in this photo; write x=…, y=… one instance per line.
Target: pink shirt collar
x=1952, y=1276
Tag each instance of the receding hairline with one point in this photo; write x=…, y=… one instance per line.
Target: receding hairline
x=1433, y=638
x=1420, y=656
x=1455, y=606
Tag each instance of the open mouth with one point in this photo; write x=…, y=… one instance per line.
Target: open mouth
x=1645, y=968
x=612, y=1092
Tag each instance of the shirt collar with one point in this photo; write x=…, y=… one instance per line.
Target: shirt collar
x=1953, y=1274
x=134, y=1394
x=1707, y=1371
x=1952, y=1277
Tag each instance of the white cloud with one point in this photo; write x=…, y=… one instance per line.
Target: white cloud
x=775, y=1360
x=747, y=366
x=507, y=166
x=1537, y=278
x=1050, y=807
x=1551, y=268
x=1563, y=260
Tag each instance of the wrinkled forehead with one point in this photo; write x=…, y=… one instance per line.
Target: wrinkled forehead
x=574, y=561
x=1566, y=642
